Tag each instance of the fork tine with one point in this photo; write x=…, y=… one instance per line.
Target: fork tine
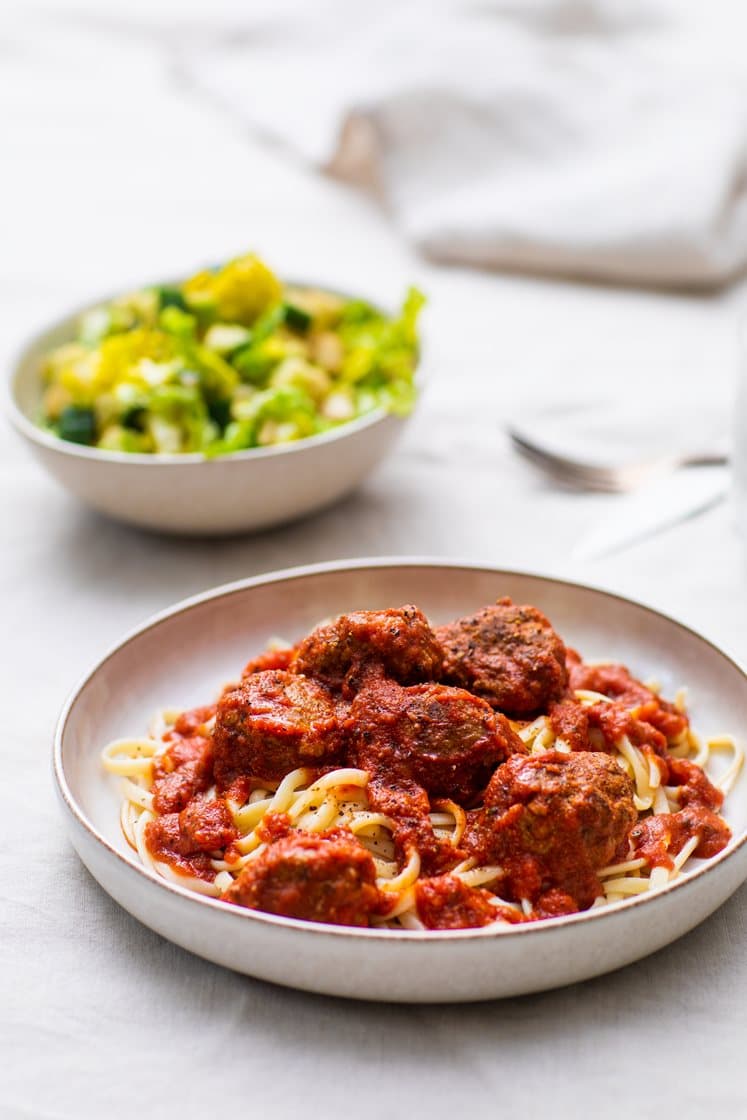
x=579, y=480
x=609, y=479
x=562, y=462
x=572, y=472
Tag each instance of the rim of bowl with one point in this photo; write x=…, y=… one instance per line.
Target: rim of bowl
x=31, y=431
x=319, y=929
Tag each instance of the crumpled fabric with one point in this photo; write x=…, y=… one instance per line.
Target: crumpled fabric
x=594, y=139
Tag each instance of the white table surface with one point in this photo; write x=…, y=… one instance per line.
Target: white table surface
x=112, y=174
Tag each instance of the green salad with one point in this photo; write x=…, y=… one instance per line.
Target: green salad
x=229, y=359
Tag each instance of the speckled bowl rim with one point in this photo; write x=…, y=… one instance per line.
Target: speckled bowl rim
x=317, y=929
x=27, y=428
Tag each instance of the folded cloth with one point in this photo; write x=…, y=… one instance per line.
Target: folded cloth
x=582, y=138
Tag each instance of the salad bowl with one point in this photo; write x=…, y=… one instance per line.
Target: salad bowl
x=192, y=493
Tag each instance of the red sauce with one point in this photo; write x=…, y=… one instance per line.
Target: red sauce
x=185, y=840
x=639, y=713
x=270, y=659
x=408, y=806
x=694, y=786
x=446, y=902
x=554, y=904
x=207, y=826
x=570, y=722
x=274, y=826
x=656, y=839
x=613, y=719
x=188, y=723
x=182, y=771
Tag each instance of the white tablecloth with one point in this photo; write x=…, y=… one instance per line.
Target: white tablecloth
x=113, y=175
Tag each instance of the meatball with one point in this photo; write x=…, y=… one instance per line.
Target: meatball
x=320, y=877
x=509, y=655
x=207, y=826
x=552, y=821
x=272, y=723
x=445, y=739
x=185, y=840
x=398, y=640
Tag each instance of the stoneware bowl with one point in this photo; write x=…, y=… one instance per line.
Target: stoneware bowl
x=150, y=669
x=188, y=494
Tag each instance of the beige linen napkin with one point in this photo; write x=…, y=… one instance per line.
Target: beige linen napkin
x=589, y=139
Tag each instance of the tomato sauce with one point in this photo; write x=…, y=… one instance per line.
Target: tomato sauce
x=184, y=770
x=635, y=710
x=408, y=806
x=570, y=722
x=186, y=840
x=694, y=787
x=658, y=838
x=189, y=722
x=554, y=904
x=270, y=659
x=445, y=902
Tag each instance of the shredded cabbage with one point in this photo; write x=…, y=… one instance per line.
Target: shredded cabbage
x=228, y=360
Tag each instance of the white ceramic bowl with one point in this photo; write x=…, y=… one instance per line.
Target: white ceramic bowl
x=220, y=630
x=188, y=494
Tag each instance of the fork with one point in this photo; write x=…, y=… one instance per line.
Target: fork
x=605, y=477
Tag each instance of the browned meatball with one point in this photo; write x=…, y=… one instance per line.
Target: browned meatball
x=185, y=840
x=272, y=723
x=398, y=640
x=321, y=877
x=510, y=655
x=445, y=739
x=552, y=821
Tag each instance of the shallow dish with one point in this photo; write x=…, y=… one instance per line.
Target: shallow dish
x=222, y=628
x=189, y=494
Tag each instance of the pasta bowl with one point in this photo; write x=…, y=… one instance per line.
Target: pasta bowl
x=148, y=670
x=190, y=494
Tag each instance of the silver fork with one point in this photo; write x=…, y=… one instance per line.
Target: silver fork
x=605, y=477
